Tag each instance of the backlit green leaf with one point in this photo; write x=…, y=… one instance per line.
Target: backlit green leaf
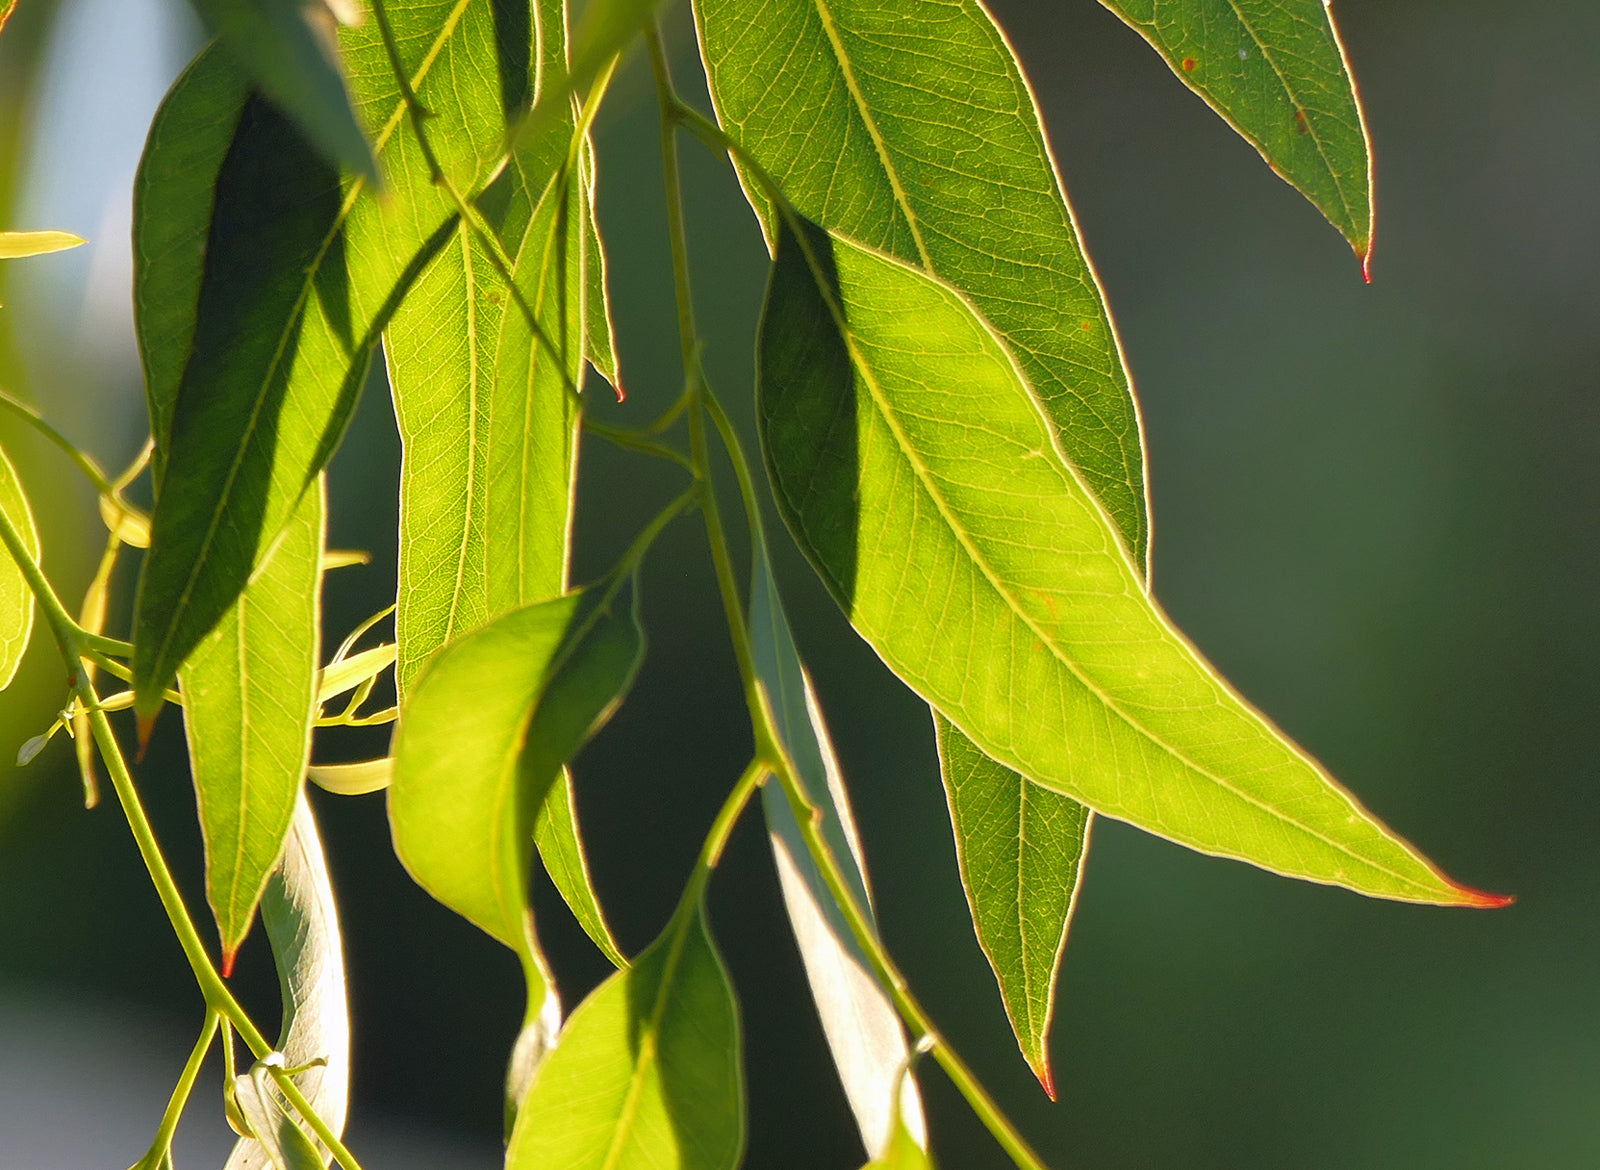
x=1275, y=70
x=16, y=599
x=921, y=138
x=286, y=47
x=919, y=472
x=302, y=921
x=249, y=694
x=647, y=1075
x=14, y=245
x=904, y=1152
x=858, y=1016
x=561, y=850
x=1021, y=848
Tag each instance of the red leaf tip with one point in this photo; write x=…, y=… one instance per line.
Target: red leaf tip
x=228, y=956
x=1481, y=899
x=147, y=724
x=1047, y=1078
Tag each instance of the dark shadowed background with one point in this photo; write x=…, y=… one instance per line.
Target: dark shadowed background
x=1376, y=509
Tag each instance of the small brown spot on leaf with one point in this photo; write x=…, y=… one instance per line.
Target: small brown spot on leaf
x=1188, y=64
x=1086, y=326
x=1300, y=122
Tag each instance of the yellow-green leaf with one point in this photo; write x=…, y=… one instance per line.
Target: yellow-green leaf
x=16, y=599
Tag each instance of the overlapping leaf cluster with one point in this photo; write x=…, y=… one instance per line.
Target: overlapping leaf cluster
x=948, y=432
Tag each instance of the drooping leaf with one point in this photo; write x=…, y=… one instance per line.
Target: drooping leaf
x=647, y=1075
x=1021, y=848
x=290, y=308
x=287, y=48
x=919, y=472
x=858, y=1016
x=302, y=921
x=16, y=599
x=561, y=850
x=1276, y=72
x=356, y=779
x=173, y=195
x=14, y=245
x=249, y=694
x=484, y=734
x=921, y=138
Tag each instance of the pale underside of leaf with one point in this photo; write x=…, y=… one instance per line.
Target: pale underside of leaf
x=1277, y=73
x=302, y=920
x=249, y=699
x=935, y=503
x=647, y=1074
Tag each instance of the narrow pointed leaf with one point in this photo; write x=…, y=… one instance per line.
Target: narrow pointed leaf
x=560, y=845
x=601, y=332
x=485, y=732
x=14, y=245
x=922, y=138
x=858, y=1015
x=249, y=695
x=919, y=472
x=1021, y=848
x=353, y=779
x=16, y=599
x=1276, y=72
x=647, y=1075
x=286, y=47
x=302, y=921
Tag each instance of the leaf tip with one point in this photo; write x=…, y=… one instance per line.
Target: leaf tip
x=1482, y=899
x=1046, y=1075
x=229, y=954
x=147, y=723
x=1366, y=264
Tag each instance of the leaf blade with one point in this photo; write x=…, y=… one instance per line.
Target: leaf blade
x=1276, y=71
x=15, y=245
x=16, y=598
x=560, y=844
x=932, y=456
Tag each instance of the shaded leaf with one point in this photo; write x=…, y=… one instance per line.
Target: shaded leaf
x=286, y=47
x=14, y=245
x=858, y=1016
x=1276, y=72
x=302, y=921
x=561, y=850
x=249, y=695
x=16, y=599
x=647, y=1075
x=920, y=474
x=1021, y=848
x=922, y=139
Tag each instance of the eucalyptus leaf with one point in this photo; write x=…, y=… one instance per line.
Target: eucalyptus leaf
x=921, y=475
x=647, y=1075
x=16, y=598
x=356, y=779
x=287, y=48
x=249, y=693
x=14, y=245
x=1277, y=73
x=857, y=1013
x=1021, y=848
x=560, y=845
x=922, y=139
x=302, y=922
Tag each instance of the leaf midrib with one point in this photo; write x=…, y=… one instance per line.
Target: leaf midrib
x=357, y=186
x=923, y=476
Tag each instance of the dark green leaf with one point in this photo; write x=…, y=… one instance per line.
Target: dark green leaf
x=921, y=138
x=16, y=599
x=921, y=475
x=1021, y=848
x=561, y=849
x=1275, y=70
x=858, y=1015
x=249, y=695
x=286, y=47
x=647, y=1075
x=302, y=922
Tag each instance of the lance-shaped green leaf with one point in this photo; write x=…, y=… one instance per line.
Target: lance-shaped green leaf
x=1021, y=848
x=560, y=844
x=909, y=126
x=647, y=1075
x=302, y=921
x=16, y=599
x=293, y=298
x=1277, y=73
x=14, y=245
x=249, y=693
x=858, y=1015
x=920, y=474
x=286, y=47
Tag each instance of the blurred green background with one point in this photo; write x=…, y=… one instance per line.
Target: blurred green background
x=1376, y=509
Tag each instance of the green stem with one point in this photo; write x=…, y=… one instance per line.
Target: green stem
x=180, y=1095
x=770, y=753
x=84, y=462
x=639, y=441
x=721, y=829
x=309, y=1114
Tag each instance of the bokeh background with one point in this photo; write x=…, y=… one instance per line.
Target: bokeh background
x=1376, y=509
